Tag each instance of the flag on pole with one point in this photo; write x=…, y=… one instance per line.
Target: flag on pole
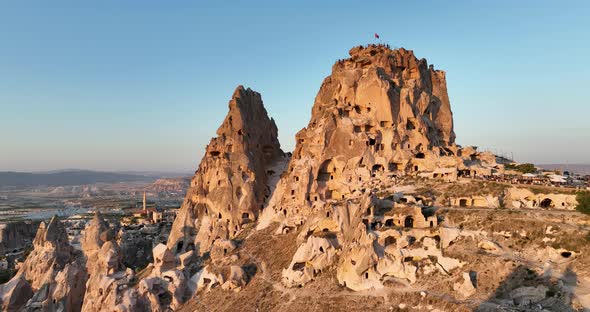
x=376, y=36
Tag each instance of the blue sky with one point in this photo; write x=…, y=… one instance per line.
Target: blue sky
x=143, y=85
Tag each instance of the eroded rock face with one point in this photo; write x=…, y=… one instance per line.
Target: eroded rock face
x=52, y=277
x=381, y=111
x=15, y=293
x=381, y=114
x=50, y=255
x=230, y=187
x=109, y=284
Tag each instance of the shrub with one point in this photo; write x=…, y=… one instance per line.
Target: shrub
x=583, y=199
x=524, y=168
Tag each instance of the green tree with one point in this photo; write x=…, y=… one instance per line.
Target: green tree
x=583, y=199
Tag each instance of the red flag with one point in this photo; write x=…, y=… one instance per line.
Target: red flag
x=376, y=36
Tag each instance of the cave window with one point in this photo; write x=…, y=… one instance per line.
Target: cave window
x=420, y=155
x=240, y=132
x=179, y=246
x=463, y=202
x=390, y=241
x=410, y=126
x=296, y=178
x=245, y=215
x=546, y=203
x=327, y=214
x=357, y=129
x=292, y=192
x=368, y=109
x=372, y=141
x=315, y=198
x=214, y=153
x=357, y=109
x=389, y=222
x=220, y=216
x=416, y=168
x=409, y=222
x=326, y=170
x=367, y=275
x=377, y=168
x=321, y=249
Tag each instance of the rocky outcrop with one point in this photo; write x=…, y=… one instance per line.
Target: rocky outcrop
x=52, y=277
x=15, y=235
x=51, y=252
x=230, y=187
x=381, y=111
x=109, y=284
x=15, y=293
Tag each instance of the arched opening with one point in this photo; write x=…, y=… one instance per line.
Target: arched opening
x=416, y=168
x=409, y=222
x=546, y=203
x=431, y=223
x=420, y=155
x=326, y=170
x=377, y=168
x=389, y=222
x=245, y=215
x=321, y=249
x=463, y=202
x=390, y=241
x=179, y=246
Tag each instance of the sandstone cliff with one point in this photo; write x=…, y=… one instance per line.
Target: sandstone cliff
x=230, y=187
x=380, y=111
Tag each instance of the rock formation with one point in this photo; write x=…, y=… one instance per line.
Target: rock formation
x=15, y=235
x=357, y=204
x=230, y=187
x=52, y=277
x=51, y=252
x=380, y=111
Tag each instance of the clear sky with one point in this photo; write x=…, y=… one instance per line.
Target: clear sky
x=143, y=85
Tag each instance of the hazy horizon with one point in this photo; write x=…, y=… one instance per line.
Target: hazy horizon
x=142, y=86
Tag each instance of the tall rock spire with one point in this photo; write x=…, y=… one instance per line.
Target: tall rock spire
x=230, y=186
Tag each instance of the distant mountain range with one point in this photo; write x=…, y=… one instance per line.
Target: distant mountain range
x=70, y=177
x=582, y=169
